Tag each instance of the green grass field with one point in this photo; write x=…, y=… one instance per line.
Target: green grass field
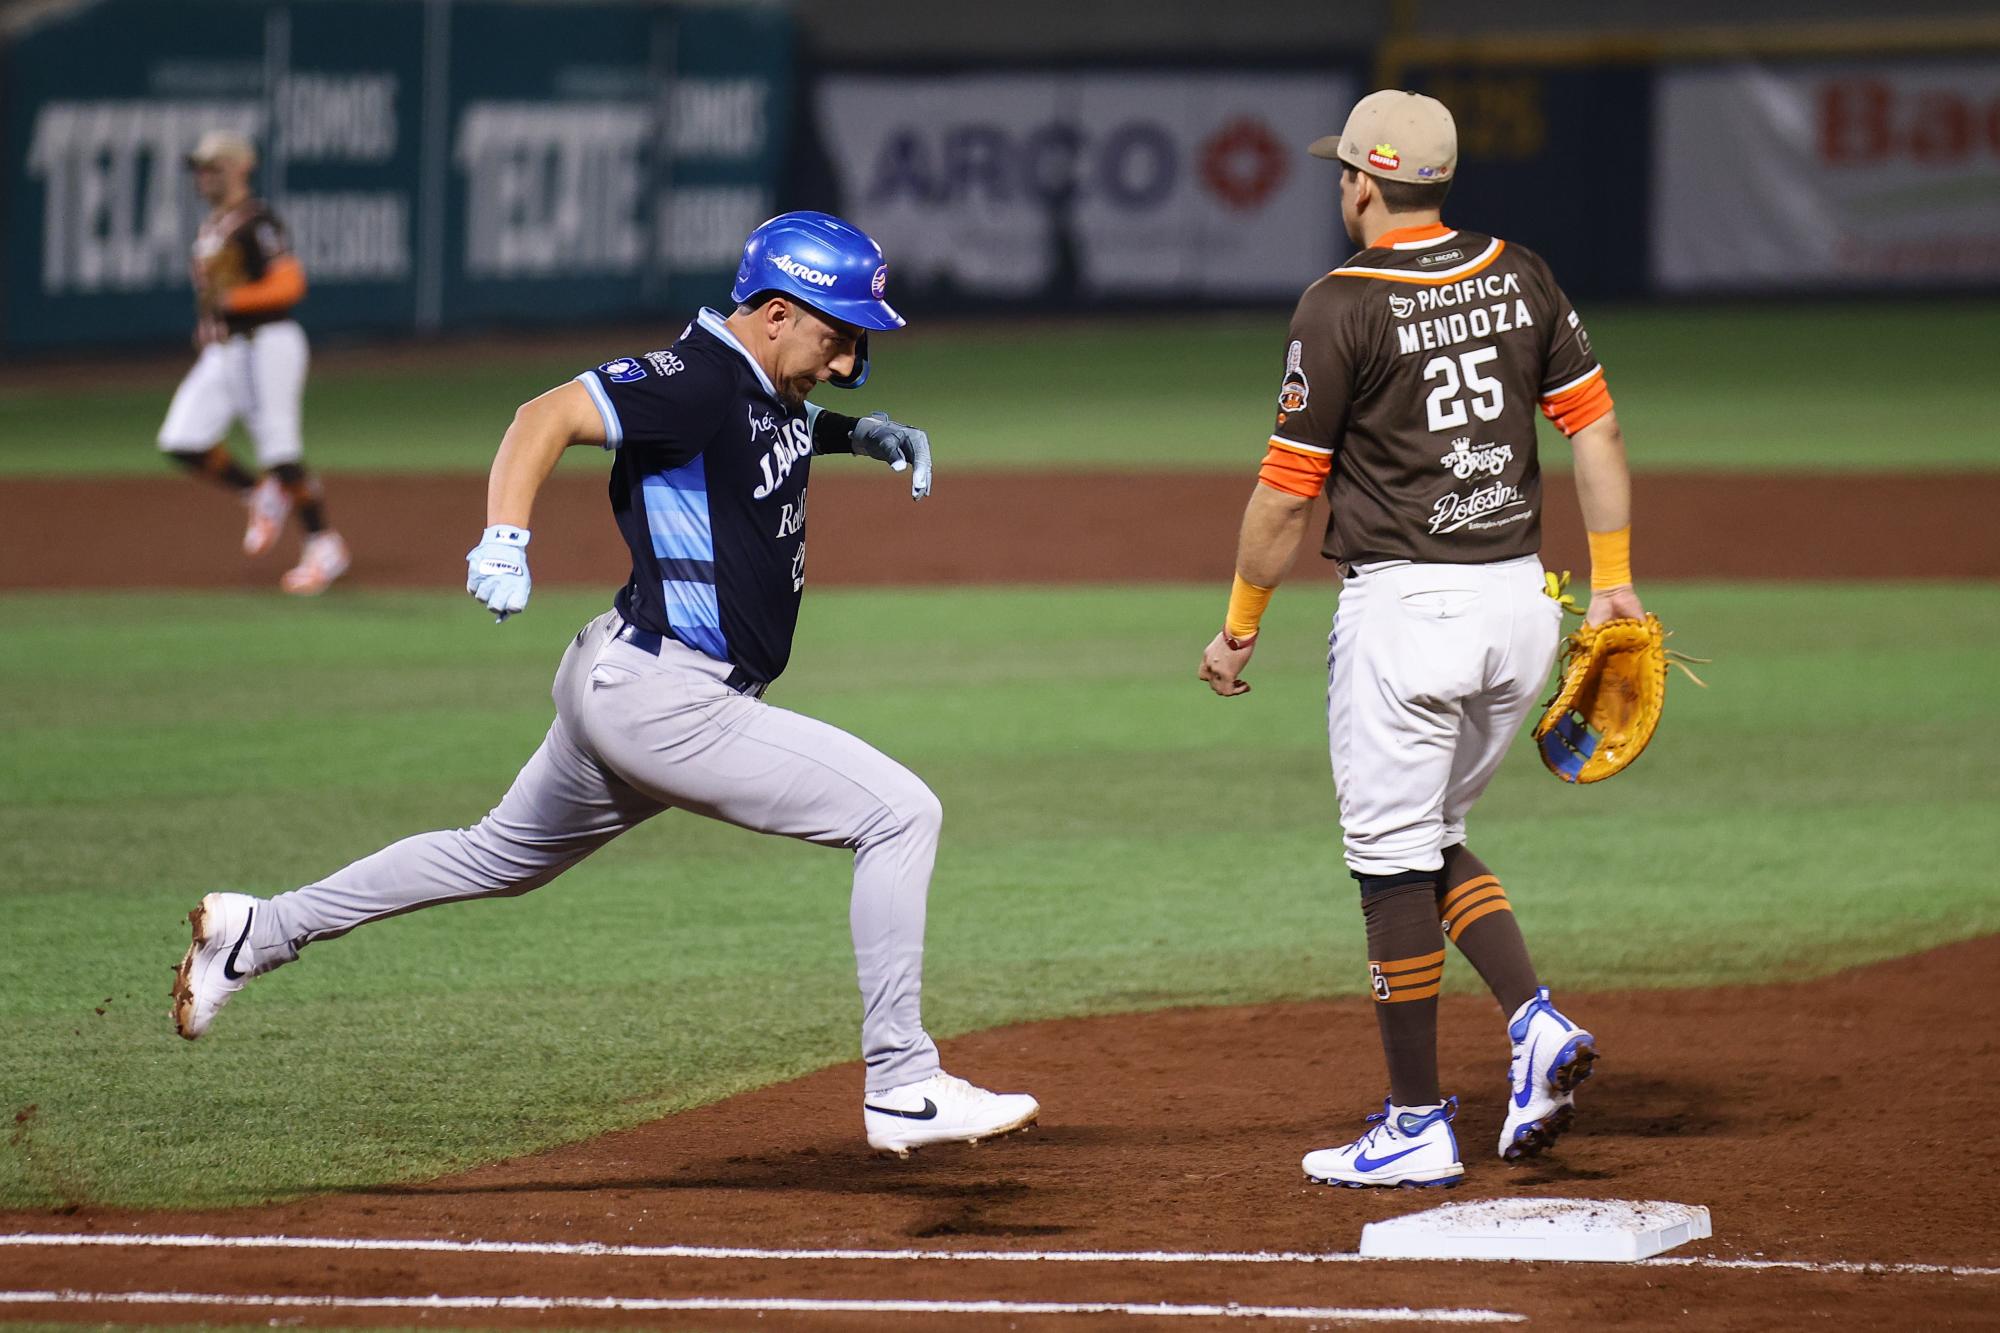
x=1815, y=387
x=1829, y=800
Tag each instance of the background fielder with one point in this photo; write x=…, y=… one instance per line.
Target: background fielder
x=659, y=701
x=252, y=366
x=1408, y=397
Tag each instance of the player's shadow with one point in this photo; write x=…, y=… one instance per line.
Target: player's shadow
x=1652, y=1108
x=944, y=1178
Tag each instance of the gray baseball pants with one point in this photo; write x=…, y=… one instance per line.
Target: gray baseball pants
x=635, y=734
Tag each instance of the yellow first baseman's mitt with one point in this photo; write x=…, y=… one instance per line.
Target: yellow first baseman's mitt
x=1613, y=689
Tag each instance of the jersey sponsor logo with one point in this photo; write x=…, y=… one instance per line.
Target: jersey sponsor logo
x=1402, y=307
x=878, y=286
x=1441, y=257
x=1384, y=156
x=1582, y=334
x=622, y=370
x=1464, y=461
x=793, y=443
x=666, y=363
x=806, y=272
x=1292, y=394
x=1468, y=509
x=793, y=519
x=1479, y=287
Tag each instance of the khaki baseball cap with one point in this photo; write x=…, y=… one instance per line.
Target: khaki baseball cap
x=1397, y=135
x=222, y=146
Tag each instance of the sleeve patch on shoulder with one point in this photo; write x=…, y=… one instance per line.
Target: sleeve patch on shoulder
x=622, y=370
x=1295, y=389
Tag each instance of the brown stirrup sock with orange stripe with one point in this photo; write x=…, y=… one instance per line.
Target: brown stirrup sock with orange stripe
x=215, y=461
x=1473, y=909
x=307, y=496
x=1405, y=968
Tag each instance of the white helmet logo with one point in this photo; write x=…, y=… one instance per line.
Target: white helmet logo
x=803, y=272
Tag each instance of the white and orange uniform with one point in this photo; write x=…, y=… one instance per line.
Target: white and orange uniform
x=1409, y=397
x=253, y=358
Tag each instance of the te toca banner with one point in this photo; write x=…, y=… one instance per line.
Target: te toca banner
x=1831, y=177
x=1058, y=186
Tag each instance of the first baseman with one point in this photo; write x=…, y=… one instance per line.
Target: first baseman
x=252, y=365
x=659, y=701
x=1408, y=397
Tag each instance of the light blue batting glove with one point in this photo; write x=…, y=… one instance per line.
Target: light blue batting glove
x=496, y=570
x=900, y=446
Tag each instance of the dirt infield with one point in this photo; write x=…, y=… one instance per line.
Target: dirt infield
x=1827, y=1124
x=1063, y=527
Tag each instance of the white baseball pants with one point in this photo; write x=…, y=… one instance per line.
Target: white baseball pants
x=1431, y=669
x=260, y=377
x=636, y=734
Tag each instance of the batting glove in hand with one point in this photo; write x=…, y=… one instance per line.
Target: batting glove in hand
x=496, y=570
x=900, y=446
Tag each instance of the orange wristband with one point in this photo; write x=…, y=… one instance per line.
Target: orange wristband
x=1246, y=608
x=1611, y=559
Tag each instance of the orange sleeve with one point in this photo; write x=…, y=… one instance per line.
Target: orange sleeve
x=283, y=285
x=1295, y=469
x=1580, y=404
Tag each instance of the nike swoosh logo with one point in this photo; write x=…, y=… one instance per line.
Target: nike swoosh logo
x=229, y=963
x=1527, y=1075
x=928, y=1113
x=1363, y=1162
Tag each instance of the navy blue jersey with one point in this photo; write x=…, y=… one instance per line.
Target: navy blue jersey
x=709, y=489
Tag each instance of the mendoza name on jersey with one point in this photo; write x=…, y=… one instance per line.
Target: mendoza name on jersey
x=1483, y=321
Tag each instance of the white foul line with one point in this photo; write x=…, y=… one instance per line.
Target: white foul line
x=594, y=1249
x=1343, y=1314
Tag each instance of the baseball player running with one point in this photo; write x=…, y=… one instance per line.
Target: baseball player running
x=1408, y=397
x=252, y=365
x=659, y=701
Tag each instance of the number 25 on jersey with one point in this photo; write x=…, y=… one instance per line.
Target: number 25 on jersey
x=1444, y=407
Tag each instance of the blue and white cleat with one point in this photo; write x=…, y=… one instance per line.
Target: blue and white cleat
x=1409, y=1147
x=1551, y=1056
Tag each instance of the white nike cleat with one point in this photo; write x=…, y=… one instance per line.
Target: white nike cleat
x=1551, y=1056
x=324, y=559
x=219, y=961
x=269, y=507
x=1410, y=1147
x=942, y=1109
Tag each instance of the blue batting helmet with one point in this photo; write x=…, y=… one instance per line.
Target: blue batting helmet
x=824, y=263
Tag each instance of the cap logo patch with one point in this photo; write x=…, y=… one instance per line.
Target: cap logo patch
x=1385, y=157
x=1292, y=394
x=879, y=284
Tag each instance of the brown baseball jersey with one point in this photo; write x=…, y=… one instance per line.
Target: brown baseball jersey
x=233, y=250
x=1410, y=388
